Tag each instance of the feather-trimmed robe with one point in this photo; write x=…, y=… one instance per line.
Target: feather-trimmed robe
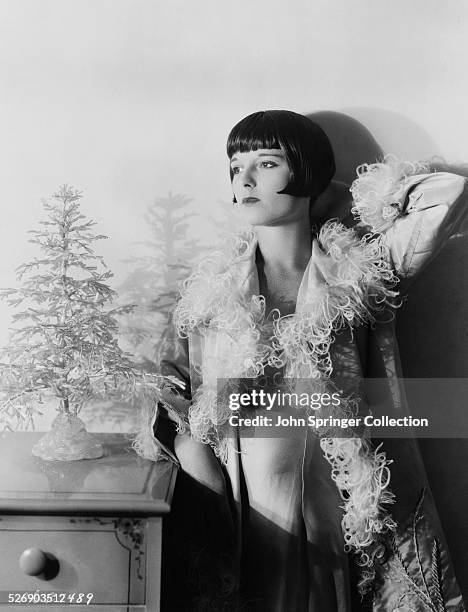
x=341, y=327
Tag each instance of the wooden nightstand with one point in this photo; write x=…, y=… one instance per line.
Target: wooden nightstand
x=98, y=522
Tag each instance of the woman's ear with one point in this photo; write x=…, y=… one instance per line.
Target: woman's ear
x=333, y=203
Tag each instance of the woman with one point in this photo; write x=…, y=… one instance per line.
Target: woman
x=318, y=519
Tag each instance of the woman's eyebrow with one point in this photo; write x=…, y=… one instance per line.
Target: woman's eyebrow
x=281, y=155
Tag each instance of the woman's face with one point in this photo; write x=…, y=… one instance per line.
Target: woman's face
x=258, y=177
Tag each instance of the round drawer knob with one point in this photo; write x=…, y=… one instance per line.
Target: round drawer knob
x=36, y=562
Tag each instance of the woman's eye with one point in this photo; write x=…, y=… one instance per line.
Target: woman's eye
x=235, y=169
x=268, y=164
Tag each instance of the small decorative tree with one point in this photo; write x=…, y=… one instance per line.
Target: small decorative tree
x=67, y=339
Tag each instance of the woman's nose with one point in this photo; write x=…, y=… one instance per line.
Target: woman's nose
x=249, y=179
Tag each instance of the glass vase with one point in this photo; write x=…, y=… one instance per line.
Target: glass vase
x=67, y=440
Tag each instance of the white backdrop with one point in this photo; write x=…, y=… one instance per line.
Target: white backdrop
x=128, y=99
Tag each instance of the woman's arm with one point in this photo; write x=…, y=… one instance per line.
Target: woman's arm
x=195, y=458
x=432, y=211
x=416, y=214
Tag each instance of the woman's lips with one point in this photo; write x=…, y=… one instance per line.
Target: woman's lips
x=250, y=200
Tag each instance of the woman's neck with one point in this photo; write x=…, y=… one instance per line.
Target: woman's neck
x=287, y=247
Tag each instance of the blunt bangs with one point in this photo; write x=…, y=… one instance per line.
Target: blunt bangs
x=256, y=131
x=307, y=149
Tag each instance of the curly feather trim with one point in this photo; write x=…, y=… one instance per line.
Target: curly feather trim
x=362, y=477
x=379, y=190
x=210, y=296
x=362, y=286
x=143, y=441
x=360, y=283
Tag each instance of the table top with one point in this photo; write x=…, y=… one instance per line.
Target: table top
x=119, y=483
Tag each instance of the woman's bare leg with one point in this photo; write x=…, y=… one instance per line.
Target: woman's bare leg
x=199, y=461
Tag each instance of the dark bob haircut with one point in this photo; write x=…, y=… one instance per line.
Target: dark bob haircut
x=308, y=151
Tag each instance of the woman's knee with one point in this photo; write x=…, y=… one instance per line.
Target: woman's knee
x=199, y=462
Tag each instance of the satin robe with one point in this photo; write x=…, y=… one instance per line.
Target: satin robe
x=287, y=547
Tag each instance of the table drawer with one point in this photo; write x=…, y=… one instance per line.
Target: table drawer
x=103, y=557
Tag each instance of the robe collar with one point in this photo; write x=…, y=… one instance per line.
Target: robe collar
x=321, y=270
